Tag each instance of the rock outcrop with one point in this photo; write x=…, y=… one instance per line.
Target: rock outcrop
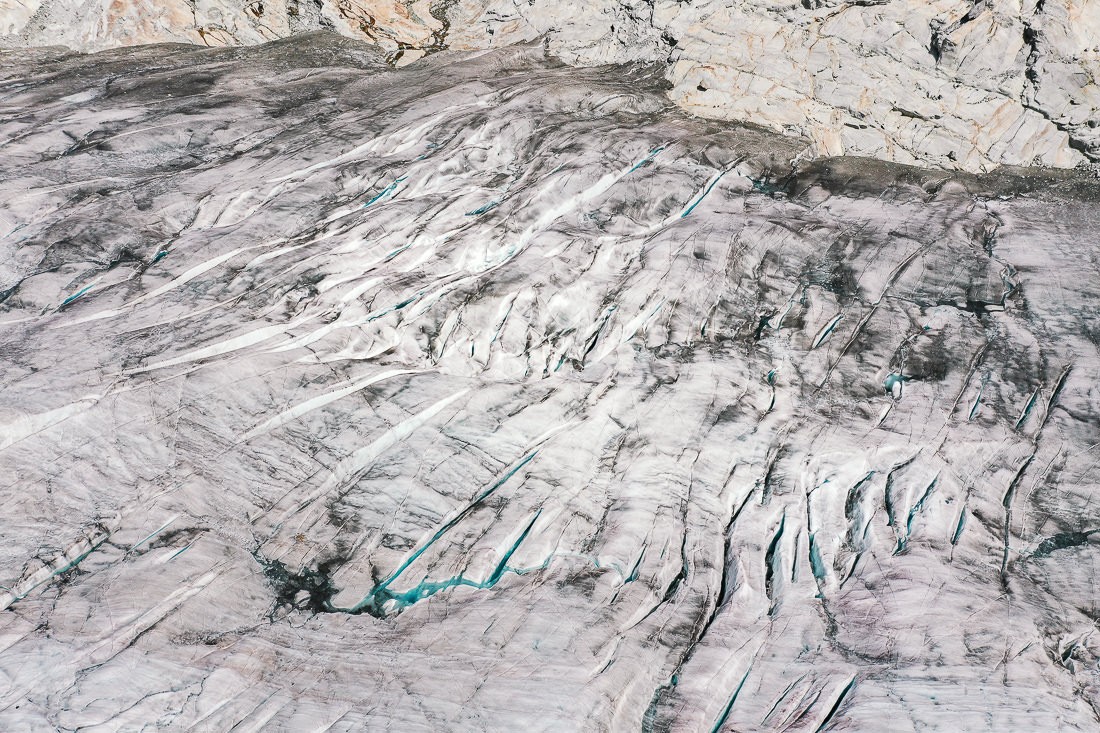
x=952, y=83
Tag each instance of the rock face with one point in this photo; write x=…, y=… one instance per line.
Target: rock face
x=494, y=394
x=951, y=84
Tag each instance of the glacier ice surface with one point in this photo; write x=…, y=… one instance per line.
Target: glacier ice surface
x=491, y=392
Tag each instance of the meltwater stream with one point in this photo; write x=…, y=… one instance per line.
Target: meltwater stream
x=490, y=393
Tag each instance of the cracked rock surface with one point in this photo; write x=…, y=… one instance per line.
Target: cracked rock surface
x=955, y=84
x=490, y=393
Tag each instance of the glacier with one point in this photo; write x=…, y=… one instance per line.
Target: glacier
x=494, y=392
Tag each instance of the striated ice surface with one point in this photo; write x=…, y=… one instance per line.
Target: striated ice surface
x=492, y=393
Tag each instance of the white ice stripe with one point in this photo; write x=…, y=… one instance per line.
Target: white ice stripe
x=179, y=281
x=314, y=403
x=154, y=533
x=639, y=322
x=361, y=459
x=344, y=157
x=368, y=147
x=319, y=333
x=188, y=276
x=222, y=347
x=25, y=426
x=256, y=261
x=59, y=564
